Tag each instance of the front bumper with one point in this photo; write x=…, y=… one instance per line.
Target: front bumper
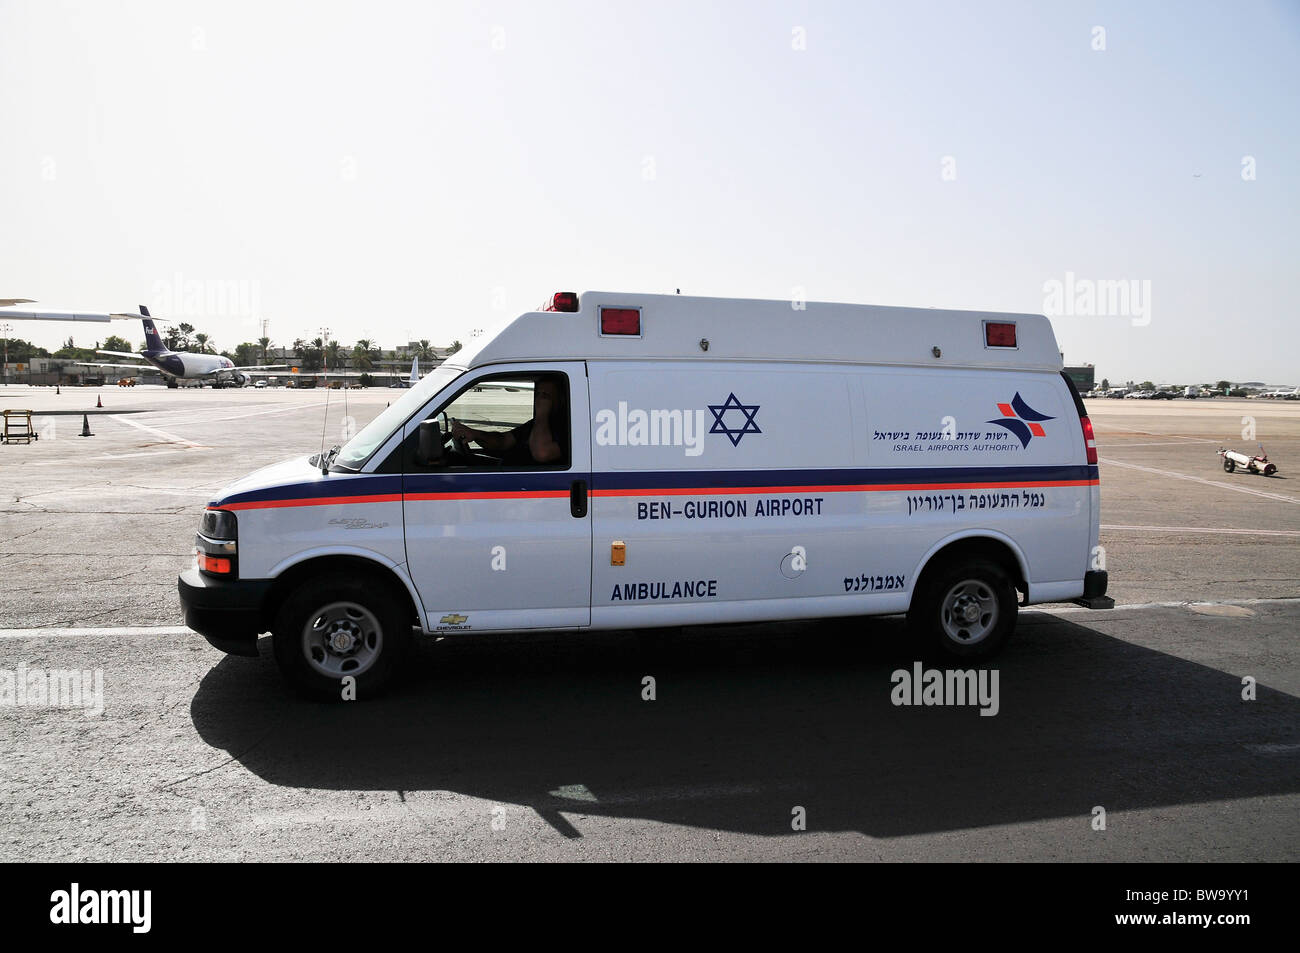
x=226, y=612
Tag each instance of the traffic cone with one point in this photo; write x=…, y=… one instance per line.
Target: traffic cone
x=99, y=402
x=85, y=426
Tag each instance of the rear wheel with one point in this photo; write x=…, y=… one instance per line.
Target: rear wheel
x=338, y=627
x=964, y=609
x=1229, y=465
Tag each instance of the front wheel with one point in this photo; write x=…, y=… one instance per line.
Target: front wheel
x=965, y=609
x=340, y=638
x=1229, y=465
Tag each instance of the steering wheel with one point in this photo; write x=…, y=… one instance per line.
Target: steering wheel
x=457, y=444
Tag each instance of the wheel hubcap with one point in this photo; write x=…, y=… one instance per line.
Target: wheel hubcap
x=342, y=638
x=969, y=612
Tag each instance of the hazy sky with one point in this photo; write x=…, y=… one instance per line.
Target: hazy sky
x=398, y=170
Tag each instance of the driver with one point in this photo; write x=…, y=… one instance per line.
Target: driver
x=540, y=440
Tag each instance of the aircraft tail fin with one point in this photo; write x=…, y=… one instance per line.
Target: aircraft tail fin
x=415, y=371
x=152, y=340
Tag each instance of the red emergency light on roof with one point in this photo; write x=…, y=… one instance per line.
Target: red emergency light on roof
x=620, y=321
x=999, y=334
x=563, y=301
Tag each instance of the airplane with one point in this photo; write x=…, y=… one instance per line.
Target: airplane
x=415, y=374
x=398, y=381
x=184, y=365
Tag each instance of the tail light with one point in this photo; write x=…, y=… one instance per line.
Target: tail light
x=1089, y=439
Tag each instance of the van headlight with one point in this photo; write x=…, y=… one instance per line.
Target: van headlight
x=215, y=545
x=219, y=525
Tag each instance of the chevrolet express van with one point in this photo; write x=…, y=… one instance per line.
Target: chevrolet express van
x=622, y=461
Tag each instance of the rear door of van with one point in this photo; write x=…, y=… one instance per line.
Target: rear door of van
x=995, y=453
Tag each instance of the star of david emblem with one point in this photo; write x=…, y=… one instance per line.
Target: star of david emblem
x=720, y=425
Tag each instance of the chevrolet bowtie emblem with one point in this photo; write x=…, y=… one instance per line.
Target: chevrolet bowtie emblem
x=452, y=619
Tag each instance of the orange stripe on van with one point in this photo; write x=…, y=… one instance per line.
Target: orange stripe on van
x=396, y=498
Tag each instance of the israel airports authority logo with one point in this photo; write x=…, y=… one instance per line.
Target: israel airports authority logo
x=733, y=406
x=1022, y=420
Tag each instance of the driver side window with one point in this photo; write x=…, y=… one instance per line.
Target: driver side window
x=516, y=421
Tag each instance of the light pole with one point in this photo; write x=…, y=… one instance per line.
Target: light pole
x=7, y=329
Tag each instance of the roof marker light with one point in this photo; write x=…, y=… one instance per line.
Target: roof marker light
x=563, y=301
x=999, y=334
x=621, y=321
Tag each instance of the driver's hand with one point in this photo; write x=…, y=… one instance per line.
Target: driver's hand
x=460, y=431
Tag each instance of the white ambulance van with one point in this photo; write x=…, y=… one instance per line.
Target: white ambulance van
x=620, y=461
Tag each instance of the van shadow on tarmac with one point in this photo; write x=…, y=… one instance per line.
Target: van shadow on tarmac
x=751, y=721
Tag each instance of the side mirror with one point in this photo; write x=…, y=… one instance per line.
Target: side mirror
x=429, y=448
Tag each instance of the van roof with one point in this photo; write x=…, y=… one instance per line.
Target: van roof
x=747, y=329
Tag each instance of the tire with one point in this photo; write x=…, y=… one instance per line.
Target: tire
x=339, y=625
x=1229, y=465
x=938, y=616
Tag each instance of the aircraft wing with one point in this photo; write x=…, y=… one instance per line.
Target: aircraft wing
x=120, y=354
x=255, y=368
x=6, y=302
x=513, y=386
x=340, y=373
x=15, y=314
x=125, y=367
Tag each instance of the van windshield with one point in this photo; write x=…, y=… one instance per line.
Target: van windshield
x=353, y=454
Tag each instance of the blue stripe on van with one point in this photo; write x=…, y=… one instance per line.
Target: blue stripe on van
x=370, y=486
x=671, y=479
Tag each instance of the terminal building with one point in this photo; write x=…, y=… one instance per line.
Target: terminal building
x=1083, y=375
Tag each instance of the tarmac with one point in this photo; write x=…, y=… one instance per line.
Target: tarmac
x=541, y=747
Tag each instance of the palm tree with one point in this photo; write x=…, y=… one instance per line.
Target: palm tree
x=334, y=350
x=361, y=354
x=424, y=351
x=314, y=354
x=455, y=346
x=201, y=340
x=264, y=343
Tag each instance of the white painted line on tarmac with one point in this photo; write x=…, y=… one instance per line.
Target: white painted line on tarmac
x=205, y=418
x=55, y=632
x=170, y=437
x=1272, y=748
x=1152, y=433
x=1203, y=530
x=142, y=453
x=1227, y=486
x=1067, y=610
x=1162, y=443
